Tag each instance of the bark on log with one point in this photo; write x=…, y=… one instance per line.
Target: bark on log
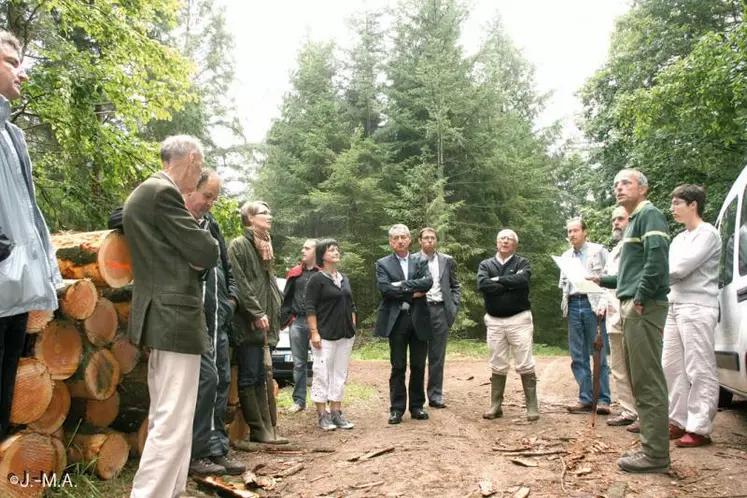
x=60, y=348
x=137, y=439
x=61, y=454
x=27, y=455
x=134, y=400
x=127, y=354
x=38, y=320
x=94, y=412
x=78, y=299
x=101, y=326
x=106, y=450
x=32, y=393
x=97, y=376
x=53, y=418
x=102, y=256
x=123, y=314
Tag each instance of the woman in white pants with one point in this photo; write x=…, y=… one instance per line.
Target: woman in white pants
x=688, y=357
x=330, y=313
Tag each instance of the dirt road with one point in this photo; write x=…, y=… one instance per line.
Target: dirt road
x=450, y=454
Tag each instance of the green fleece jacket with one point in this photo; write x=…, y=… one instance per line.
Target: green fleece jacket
x=643, y=274
x=258, y=293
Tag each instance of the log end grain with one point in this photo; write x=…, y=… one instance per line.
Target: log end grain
x=102, y=375
x=102, y=413
x=108, y=450
x=38, y=320
x=114, y=260
x=101, y=326
x=25, y=453
x=32, y=393
x=78, y=300
x=60, y=348
x=53, y=418
x=127, y=354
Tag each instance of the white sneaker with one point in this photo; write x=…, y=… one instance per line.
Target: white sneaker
x=340, y=421
x=295, y=408
x=325, y=422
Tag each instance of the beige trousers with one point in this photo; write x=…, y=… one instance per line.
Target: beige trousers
x=620, y=374
x=172, y=384
x=513, y=332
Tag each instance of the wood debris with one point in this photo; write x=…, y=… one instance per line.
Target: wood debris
x=582, y=471
x=226, y=488
x=523, y=492
x=253, y=481
x=524, y=462
x=371, y=454
x=487, y=488
x=368, y=485
x=293, y=469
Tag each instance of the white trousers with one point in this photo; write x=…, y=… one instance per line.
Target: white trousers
x=690, y=366
x=514, y=332
x=330, y=369
x=172, y=384
x=620, y=374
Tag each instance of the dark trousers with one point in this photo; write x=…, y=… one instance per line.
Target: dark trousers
x=404, y=336
x=12, y=339
x=251, y=364
x=209, y=437
x=437, y=352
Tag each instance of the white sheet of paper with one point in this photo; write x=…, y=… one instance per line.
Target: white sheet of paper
x=576, y=273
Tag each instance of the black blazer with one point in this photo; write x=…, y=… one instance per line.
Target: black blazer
x=450, y=287
x=418, y=279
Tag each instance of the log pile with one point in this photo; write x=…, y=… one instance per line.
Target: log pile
x=72, y=381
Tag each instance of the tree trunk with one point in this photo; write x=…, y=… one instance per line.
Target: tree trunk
x=137, y=439
x=27, y=455
x=60, y=348
x=32, y=393
x=104, y=449
x=134, y=400
x=56, y=413
x=78, y=299
x=127, y=354
x=101, y=326
x=38, y=320
x=97, y=376
x=102, y=256
x=94, y=412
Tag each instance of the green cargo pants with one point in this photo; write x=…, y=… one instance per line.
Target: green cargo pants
x=642, y=339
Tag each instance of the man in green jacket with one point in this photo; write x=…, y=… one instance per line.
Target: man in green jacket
x=170, y=253
x=642, y=284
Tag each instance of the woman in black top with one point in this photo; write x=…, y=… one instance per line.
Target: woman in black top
x=331, y=316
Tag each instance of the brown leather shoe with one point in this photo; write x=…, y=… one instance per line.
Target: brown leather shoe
x=675, y=432
x=603, y=409
x=692, y=440
x=635, y=428
x=619, y=421
x=579, y=408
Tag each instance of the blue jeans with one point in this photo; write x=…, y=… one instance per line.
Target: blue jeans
x=582, y=330
x=251, y=365
x=299, y=344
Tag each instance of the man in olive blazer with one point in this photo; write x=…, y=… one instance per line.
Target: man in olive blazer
x=169, y=253
x=403, y=279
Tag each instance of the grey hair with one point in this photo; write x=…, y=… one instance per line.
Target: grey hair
x=206, y=175
x=399, y=227
x=249, y=209
x=619, y=209
x=507, y=232
x=179, y=146
x=7, y=39
x=642, y=180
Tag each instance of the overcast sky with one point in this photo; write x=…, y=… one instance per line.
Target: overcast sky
x=566, y=40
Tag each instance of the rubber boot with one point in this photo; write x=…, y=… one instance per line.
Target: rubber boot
x=497, y=386
x=264, y=410
x=253, y=417
x=529, y=382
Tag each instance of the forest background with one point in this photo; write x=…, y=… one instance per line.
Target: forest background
x=402, y=127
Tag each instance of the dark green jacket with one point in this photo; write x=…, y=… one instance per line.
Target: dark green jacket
x=258, y=293
x=643, y=274
x=164, y=239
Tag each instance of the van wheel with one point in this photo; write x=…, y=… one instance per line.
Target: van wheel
x=724, y=398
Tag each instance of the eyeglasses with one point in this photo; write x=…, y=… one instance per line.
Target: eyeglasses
x=678, y=202
x=263, y=212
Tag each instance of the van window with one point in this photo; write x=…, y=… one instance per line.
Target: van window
x=726, y=229
x=743, y=237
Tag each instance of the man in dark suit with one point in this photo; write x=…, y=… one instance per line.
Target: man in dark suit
x=443, y=303
x=403, y=317
x=170, y=253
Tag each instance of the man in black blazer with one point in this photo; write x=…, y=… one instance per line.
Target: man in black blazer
x=443, y=303
x=403, y=317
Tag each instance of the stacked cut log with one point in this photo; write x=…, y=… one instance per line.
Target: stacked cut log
x=69, y=387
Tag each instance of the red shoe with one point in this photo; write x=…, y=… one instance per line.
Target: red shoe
x=675, y=432
x=635, y=428
x=692, y=440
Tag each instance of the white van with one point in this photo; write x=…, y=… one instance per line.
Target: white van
x=731, y=330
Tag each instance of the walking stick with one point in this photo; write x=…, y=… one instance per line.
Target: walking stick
x=597, y=371
x=270, y=388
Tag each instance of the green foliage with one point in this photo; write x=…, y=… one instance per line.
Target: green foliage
x=447, y=141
